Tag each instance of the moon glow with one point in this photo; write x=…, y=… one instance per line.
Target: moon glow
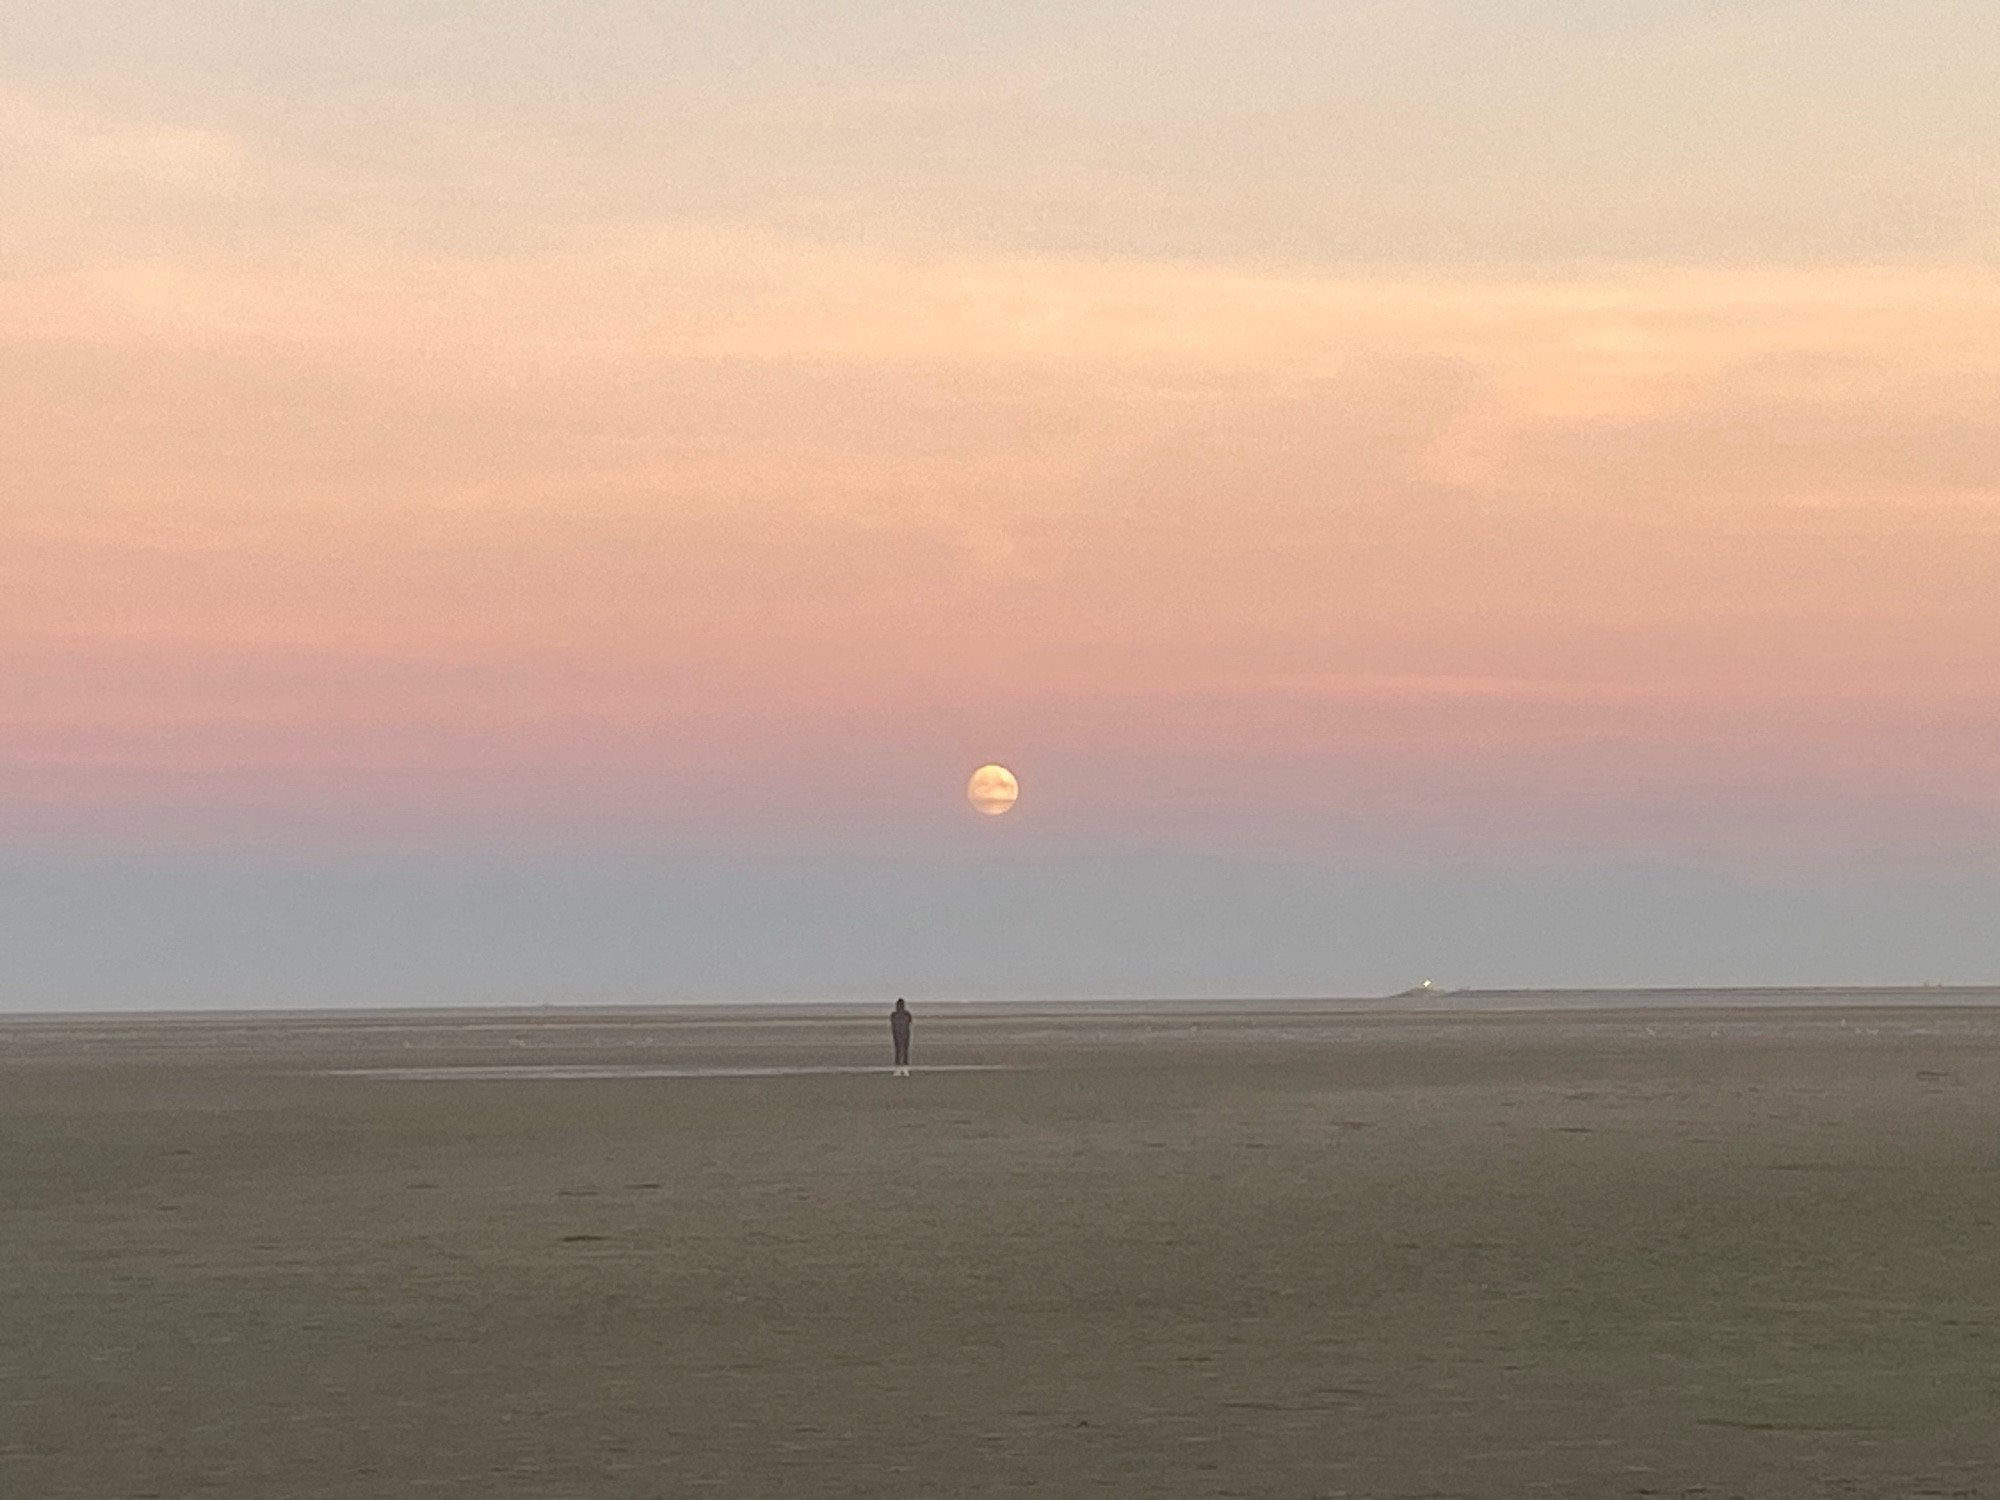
x=992, y=790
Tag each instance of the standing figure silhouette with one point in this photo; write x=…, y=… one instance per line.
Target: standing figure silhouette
x=899, y=1031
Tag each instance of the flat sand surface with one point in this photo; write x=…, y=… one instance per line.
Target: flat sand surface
x=1290, y=1252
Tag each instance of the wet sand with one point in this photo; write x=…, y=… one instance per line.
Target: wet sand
x=1276, y=1252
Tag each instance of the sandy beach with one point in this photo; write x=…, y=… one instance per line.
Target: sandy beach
x=1262, y=1251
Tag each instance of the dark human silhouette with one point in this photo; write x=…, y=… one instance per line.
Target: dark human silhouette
x=899, y=1029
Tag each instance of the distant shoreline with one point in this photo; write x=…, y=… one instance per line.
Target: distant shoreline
x=1423, y=1001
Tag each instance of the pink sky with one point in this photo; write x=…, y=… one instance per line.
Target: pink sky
x=1226, y=545
x=1602, y=450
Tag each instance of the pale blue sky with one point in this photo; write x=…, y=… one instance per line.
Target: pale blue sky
x=273, y=929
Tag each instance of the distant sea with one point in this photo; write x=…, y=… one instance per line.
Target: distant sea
x=1419, y=1000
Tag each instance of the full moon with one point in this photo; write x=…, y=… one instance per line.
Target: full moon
x=992, y=790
